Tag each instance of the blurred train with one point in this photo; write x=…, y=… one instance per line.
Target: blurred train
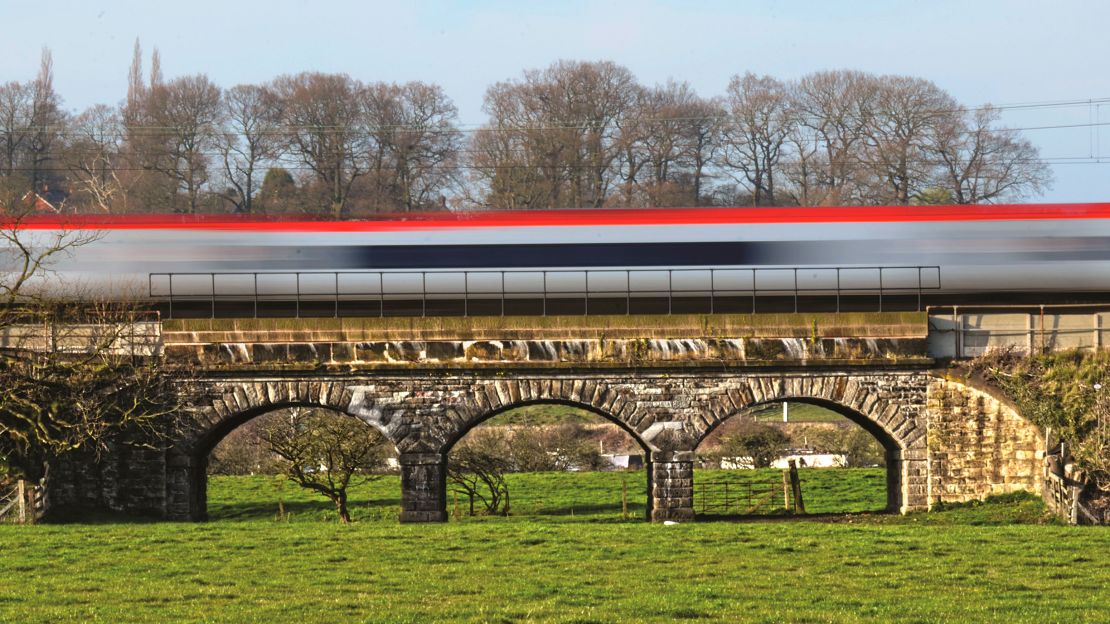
x=570, y=261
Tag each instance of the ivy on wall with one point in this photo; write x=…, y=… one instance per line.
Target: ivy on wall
x=1067, y=393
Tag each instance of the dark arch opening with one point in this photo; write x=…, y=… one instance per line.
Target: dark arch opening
x=891, y=451
x=203, y=447
x=629, y=433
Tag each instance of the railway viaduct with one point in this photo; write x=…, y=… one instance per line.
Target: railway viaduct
x=667, y=381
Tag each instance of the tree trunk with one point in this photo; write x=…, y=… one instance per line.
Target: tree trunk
x=341, y=507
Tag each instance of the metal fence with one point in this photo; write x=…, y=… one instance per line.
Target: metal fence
x=972, y=331
x=741, y=497
x=333, y=288
x=123, y=333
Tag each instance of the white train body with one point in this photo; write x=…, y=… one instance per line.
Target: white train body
x=1046, y=251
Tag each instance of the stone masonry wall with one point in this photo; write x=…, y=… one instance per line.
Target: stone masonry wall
x=668, y=413
x=946, y=441
x=978, y=445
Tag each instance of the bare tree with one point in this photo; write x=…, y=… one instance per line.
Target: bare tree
x=908, y=114
x=84, y=397
x=834, y=106
x=803, y=166
x=983, y=163
x=140, y=141
x=93, y=156
x=324, y=451
x=515, y=164
x=324, y=126
x=706, y=137
x=46, y=128
x=477, y=467
x=184, y=113
x=85, y=385
x=132, y=108
x=554, y=136
x=414, y=144
x=16, y=113
x=762, y=443
x=249, y=139
x=667, y=145
x=244, y=451
x=552, y=448
x=761, y=117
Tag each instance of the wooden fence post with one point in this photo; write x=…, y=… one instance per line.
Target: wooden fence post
x=785, y=490
x=796, y=486
x=21, y=492
x=624, y=498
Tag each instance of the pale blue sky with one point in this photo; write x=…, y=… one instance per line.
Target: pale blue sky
x=981, y=51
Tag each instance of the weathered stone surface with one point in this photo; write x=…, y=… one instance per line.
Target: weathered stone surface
x=948, y=441
x=641, y=352
x=978, y=445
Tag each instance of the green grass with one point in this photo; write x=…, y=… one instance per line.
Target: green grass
x=546, y=414
x=936, y=567
x=594, y=496
x=824, y=490
x=547, y=496
x=798, y=412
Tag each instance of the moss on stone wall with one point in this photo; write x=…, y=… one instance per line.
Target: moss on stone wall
x=807, y=326
x=1067, y=393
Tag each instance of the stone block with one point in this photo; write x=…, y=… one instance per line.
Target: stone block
x=675, y=502
x=422, y=516
x=343, y=352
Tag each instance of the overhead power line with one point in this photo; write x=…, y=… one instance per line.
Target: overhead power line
x=466, y=128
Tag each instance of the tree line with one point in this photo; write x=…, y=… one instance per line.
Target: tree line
x=571, y=135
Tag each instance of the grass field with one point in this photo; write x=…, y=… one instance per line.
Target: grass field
x=798, y=413
x=594, y=496
x=587, y=567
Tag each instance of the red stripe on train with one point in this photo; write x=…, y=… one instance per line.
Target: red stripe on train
x=613, y=217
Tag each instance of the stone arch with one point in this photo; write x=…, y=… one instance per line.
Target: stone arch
x=490, y=399
x=227, y=406
x=899, y=425
x=223, y=407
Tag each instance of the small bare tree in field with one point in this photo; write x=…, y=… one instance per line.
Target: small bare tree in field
x=477, y=467
x=325, y=452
